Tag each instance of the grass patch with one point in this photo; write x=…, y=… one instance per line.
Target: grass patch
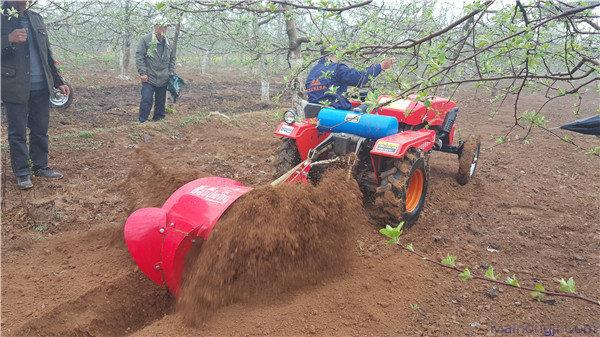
x=40, y=228
x=80, y=144
x=135, y=135
x=86, y=134
x=196, y=118
x=170, y=109
x=277, y=116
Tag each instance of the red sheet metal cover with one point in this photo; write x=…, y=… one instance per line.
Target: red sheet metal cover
x=159, y=238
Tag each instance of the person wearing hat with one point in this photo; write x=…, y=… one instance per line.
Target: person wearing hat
x=155, y=61
x=29, y=74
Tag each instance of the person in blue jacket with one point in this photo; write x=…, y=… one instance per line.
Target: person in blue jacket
x=329, y=79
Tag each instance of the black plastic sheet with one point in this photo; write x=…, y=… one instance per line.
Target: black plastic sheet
x=587, y=126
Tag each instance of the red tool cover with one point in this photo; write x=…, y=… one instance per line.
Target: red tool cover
x=158, y=239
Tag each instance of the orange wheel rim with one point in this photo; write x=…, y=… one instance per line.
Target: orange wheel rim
x=414, y=191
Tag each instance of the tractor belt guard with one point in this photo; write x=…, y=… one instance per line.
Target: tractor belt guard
x=158, y=239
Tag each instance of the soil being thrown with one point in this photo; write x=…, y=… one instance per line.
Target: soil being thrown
x=150, y=181
x=274, y=240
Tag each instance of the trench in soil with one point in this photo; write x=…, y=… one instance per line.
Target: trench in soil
x=127, y=304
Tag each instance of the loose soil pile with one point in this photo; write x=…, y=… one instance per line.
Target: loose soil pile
x=273, y=241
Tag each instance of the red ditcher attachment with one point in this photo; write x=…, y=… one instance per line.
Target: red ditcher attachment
x=158, y=239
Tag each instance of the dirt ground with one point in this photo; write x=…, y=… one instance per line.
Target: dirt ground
x=533, y=210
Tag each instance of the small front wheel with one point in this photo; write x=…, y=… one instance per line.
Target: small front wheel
x=467, y=160
x=287, y=157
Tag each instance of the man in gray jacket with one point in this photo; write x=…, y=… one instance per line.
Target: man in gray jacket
x=28, y=76
x=155, y=61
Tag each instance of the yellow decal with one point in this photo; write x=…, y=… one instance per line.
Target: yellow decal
x=387, y=147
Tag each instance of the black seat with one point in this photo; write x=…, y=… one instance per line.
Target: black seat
x=311, y=110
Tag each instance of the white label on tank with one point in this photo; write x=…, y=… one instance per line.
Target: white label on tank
x=286, y=129
x=352, y=118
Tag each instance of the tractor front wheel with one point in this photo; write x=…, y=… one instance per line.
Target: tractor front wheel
x=402, y=191
x=467, y=160
x=287, y=157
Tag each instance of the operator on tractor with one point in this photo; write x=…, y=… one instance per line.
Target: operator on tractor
x=329, y=79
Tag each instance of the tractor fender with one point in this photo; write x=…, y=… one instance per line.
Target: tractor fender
x=305, y=134
x=413, y=112
x=395, y=146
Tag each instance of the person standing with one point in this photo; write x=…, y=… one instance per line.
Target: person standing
x=155, y=61
x=28, y=75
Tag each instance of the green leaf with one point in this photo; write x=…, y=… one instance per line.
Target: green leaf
x=12, y=13
x=422, y=96
x=272, y=7
x=449, y=261
x=489, y=274
x=567, y=286
x=593, y=151
x=372, y=99
x=513, y=281
x=160, y=5
x=465, y=275
x=533, y=118
x=332, y=90
x=567, y=138
x=414, y=306
x=326, y=74
x=392, y=233
x=539, y=292
x=410, y=247
x=325, y=102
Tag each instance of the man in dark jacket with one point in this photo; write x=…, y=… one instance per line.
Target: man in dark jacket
x=155, y=61
x=28, y=75
x=329, y=79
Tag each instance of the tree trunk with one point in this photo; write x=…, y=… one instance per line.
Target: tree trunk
x=125, y=52
x=125, y=57
x=262, y=71
x=205, y=60
x=294, y=57
x=177, y=33
x=264, y=80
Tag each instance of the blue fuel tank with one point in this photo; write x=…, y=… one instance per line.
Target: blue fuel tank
x=364, y=125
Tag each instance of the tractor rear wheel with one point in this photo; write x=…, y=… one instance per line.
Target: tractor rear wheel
x=467, y=160
x=287, y=157
x=403, y=189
